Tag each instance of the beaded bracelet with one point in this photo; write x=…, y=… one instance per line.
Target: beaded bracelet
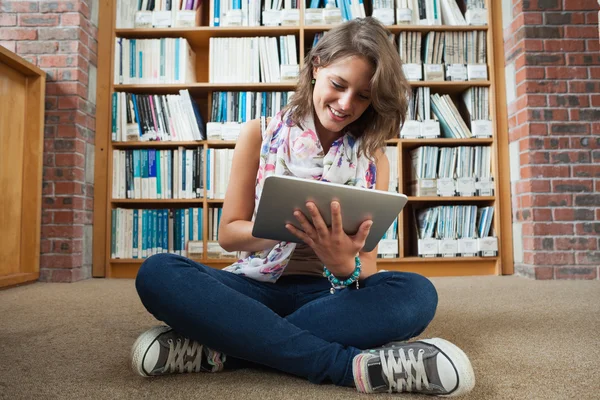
x=336, y=283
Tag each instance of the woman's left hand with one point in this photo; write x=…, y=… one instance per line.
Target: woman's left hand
x=332, y=245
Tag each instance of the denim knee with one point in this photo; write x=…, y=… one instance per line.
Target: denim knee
x=152, y=271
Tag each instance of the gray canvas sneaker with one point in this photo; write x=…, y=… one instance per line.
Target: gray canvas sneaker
x=429, y=366
x=160, y=350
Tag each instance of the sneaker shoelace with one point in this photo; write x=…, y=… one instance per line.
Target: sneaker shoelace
x=182, y=351
x=393, y=366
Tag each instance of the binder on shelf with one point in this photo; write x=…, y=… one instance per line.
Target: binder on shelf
x=289, y=72
x=485, y=186
x=465, y=186
x=434, y=72
x=188, y=18
x=215, y=251
x=411, y=129
x=477, y=72
x=403, y=16
x=487, y=246
x=424, y=187
x=234, y=17
x=456, y=72
x=481, y=128
x=384, y=15
x=448, y=247
x=413, y=72
x=388, y=247
x=313, y=16
x=446, y=187
x=428, y=247
x=143, y=19
x=476, y=16
x=430, y=129
x=467, y=247
x=195, y=248
x=332, y=16
x=290, y=17
x=271, y=17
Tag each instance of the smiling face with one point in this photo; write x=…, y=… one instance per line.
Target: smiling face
x=341, y=94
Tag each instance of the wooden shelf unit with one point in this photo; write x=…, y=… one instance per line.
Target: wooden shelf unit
x=202, y=90
x=22, y=90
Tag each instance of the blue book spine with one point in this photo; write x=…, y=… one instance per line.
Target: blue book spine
x=177, y=50
x=217, y=10
x=134, y=245
x=136, y=114
x=182, y=170
x=165, y=230
x=191, y=224
x=169, y=174
x=144, y=233
x=152, y=173
x=154, y=232
x=132, y=58
x=200, y=219
x=115, y=101
x=182, y=231
x=159, y=173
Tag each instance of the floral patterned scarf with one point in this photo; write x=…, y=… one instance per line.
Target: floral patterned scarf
x=288, y=149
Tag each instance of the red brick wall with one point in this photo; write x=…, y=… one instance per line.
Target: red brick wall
x=60, y=38
x=554, y=129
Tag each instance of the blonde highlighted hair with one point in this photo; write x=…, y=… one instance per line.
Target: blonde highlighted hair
x=369, y=39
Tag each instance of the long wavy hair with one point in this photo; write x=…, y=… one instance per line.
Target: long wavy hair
x=369, y=39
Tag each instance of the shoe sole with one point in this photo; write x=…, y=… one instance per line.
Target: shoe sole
x=141, y=345
x=466, y=376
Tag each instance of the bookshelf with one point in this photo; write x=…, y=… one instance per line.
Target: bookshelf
x=22, y=88
x=201, y=90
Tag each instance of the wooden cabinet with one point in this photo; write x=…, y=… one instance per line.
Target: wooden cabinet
x=22, y=89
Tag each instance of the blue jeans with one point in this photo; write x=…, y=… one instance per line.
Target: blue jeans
x=295, y=325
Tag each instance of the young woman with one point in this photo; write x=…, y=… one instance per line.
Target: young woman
x=319, y=310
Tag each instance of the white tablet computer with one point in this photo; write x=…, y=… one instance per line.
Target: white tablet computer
x=282, y=195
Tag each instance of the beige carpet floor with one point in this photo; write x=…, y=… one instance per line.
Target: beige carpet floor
x=526, y=339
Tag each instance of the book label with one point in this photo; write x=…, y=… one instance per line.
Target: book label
x=434, y=72
x=481, y=128
x=313, y=16
x=384, y=15
x=233, y=18
x=404, y=15
x=476, y=16
x=271, y=17
x=456, y=72
x=485, y=186
x=195, y=248
x=387, y=246
x=467, y=247
x=430, y=129
x=411, y=129
x=289, y=72
x=186, y=18
x=428, y=247
x=487, y=246
x=332, y=16
x=446, y=187
x=413, y=72
x=465, y=186
x=290, y=17
x=161, y=19
x=477, y=72
x=448, y=247
x=143, y=19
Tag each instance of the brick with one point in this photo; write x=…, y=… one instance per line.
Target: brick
x=9, y=45
x=543, y=32
x=581, y=31
x=71, y=19
x=589, y=114
x=586, y=171
x=566, y=72
x=541, y=5
x=569, y=128
x=37, y=47
x=587, y=228
x=63, y=217
x=546, y=114
x=552, y=229
x=592, y=45
x=572, y=272
x=588, y=257
x=67, y=246
x=545, y=59
x=57, y=61
x=587, y=200
x=71, y=160
x=553, y=258
x=573, y=214
x=568, y=100
x=555, y=86
x=576, y=243
x=59, y=34
x=581, y=5
x=552, y=200
x=566, y=45
x=583, y=59
x=38, y=20
x=59, y=6
x=19, y=6
x=62, y=231
x=585, y=142
x=572, y=186
x=68, y=188
x=8, y=19
x=18, y=34
x=60, y=261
